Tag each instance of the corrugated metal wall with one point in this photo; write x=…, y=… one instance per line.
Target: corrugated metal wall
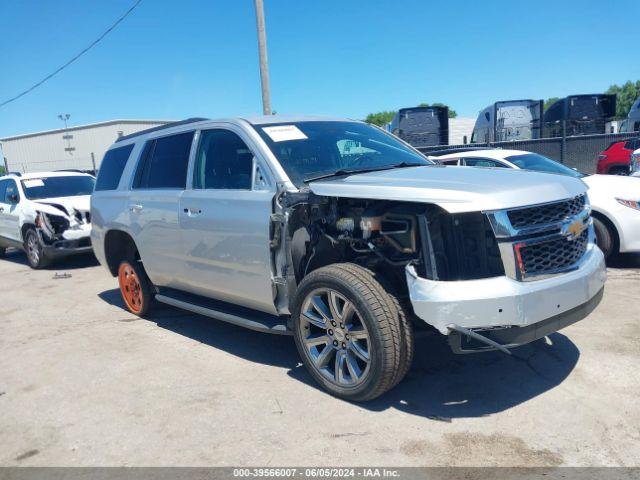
x=459, y=128
x=46, y=150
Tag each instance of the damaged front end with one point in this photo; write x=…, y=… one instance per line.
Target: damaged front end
x=63, y=231
x=453, y=271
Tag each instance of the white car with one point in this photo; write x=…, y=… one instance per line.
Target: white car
x=46, y=214
x=615, y=200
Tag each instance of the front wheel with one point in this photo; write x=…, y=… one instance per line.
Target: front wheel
x=348, y=332
x=33, y=248
x=604, y=238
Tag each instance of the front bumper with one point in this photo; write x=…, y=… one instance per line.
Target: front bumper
x=502, y=301
x=509, y=337
x=64, y=248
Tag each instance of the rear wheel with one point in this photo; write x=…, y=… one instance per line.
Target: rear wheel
x=348, y=332
x=33, y=248
x=135, y=287
x=3, y=251
x=605, y=238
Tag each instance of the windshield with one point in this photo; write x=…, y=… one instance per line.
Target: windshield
x=52, y=187
x=313, y=149
x=538, y=163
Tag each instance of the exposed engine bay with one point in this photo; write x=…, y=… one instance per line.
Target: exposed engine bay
x=62, y=226
x=384, y=236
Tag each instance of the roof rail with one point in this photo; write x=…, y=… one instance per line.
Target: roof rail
x=161, y=127
x=17, y=174
x=76, y=170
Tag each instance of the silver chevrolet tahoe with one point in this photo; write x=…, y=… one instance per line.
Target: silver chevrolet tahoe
x=345, y=237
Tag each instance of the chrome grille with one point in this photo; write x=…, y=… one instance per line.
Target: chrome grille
x=546, y=214
x=554, y=255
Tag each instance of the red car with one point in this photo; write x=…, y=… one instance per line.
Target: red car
x=616, y=158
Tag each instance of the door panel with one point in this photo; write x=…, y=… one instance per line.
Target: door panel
x=224, y=221
x=159, y=181
x=9, y=212
x=153, y=219
x=225, y=235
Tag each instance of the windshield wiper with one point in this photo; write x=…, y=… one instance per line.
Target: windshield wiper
x=351, y=171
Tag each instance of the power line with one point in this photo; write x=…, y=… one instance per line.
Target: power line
x=93, y=44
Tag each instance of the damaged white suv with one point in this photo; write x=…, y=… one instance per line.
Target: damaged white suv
x=343, y=236
x=46, y=214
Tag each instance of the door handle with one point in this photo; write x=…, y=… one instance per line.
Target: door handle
x=135, y=208
x=192, y=212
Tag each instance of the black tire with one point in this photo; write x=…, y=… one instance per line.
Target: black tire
x=3, y=251
x=605, y=238
x=137, y=291
x=379, y=314
x=36, y=257
x=406, y=327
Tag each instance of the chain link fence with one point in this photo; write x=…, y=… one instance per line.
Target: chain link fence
x=579, y=152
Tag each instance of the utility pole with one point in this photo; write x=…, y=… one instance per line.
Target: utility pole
x=264, y=65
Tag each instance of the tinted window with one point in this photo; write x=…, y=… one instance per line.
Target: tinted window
x=111, y=168
x=164, y=162
x=538, y=163
x=482, y=162
x=12, y=189
x=3, y=188
x=52, y=187
x=223, y=161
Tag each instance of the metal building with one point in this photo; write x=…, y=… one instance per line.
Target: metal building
x=81, y=147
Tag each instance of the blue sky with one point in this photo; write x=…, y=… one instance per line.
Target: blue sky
x=175, y=59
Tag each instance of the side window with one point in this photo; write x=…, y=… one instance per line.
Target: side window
x=223, y=161
x=3, y=189
x=453, y=161
x=482, y=162
x=111, y=168
x=164, y=162
x=12, y=190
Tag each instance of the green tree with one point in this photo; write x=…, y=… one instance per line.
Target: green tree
x=550, y=101
x=2, y=170
x=452, y=112
x=626, y=95
x=380, y=118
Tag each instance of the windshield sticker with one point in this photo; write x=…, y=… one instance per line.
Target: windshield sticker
x=36, y=182
x=283, y=133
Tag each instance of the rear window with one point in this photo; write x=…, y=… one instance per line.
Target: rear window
x=112, y=167
x=164, y=162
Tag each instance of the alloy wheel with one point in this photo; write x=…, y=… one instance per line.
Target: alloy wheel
x=335, y=338
x=33, y=249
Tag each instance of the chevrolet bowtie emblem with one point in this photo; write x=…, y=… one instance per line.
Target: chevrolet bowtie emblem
x=573, y=229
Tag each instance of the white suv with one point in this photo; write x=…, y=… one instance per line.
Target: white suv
x=47, y=214
x=345, y=237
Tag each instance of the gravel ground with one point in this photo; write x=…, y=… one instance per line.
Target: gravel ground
x=84, y=383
